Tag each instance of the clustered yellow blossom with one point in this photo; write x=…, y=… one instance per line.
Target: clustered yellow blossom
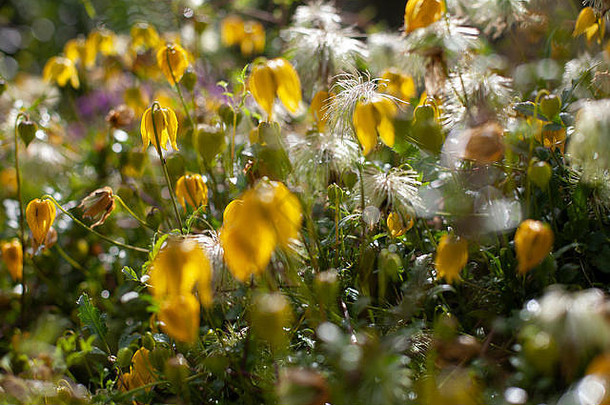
x=264, y=217
x=192, y=189
x=275, y=77
x=179, y=267
x=248, y=35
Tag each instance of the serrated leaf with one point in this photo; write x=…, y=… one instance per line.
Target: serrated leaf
x=91, y=317
x=157, y=246
x=130, y=274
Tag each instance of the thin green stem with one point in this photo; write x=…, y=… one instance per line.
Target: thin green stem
x=164, y=165
x=21, y=218
x=93, y=231
x=133, y=214
x=67, y=258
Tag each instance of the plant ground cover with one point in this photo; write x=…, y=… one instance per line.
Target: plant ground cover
x=291, y=202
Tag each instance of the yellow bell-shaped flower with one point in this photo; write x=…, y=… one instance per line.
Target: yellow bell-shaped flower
x=173, y=62
x=61, y=70
x=399, y=85
x=265, y=216
x=40, y=215
x=589, y=24
x=231, y=30
x=140, y=372
x=77, y=50
x=397, y=226
x=102, y=41
x=319, y=108
x=162, y=122
x=144, y=36
x=192, y=189
x=533, y=242
x=275, y=77
x=179, y=267
x=422, y=13
x=12, y=255
x=373, y=118
x=253, y=39
x=451, y=257
x=179, y=316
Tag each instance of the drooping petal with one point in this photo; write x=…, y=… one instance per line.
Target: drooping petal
x=263, y=87
x=172, y=127
x=365, y=123
x=288, y=83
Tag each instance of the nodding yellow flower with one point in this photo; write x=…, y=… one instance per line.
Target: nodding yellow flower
x=374, y=118
x=552, y=138
x=231, y=30
x=451, y=257
x=61, y=70
x=249, y=35
x=78, y=50
x=144, y=36
x=422, y=13
x=275, y=77
x=98, y=205
x=102, y=41
x=253, y=39
x=12, y=255
x=179, y=316
x=533, y=242
x=40, y=215
x=191, y=189
x=178, y=268
x=265, y=216
x=318, y=108
x=140, y=372
x=397, y=226
x=173, y=62
x=398, y=84
x=589, y=24
x=162, y=120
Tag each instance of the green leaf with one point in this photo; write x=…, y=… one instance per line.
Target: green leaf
x=91, y=317
x=130, y=274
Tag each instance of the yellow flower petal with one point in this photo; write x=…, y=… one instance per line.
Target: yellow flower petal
x=585, y=21
x=263, y=87
x=288, y=83
x=533, y=242
x=40, y=215
x=180, y=317
x=451, y=257
x=365, y=124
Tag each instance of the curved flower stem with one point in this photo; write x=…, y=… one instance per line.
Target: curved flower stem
x=21, y=216
x=93, y=231
x=164, y=165
x=133, y=214
x=186, y=110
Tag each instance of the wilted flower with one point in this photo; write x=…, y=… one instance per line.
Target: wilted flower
x=144, y=36
x=159, y=122
x=40, y=215
x=172, y=59
x=484, y=144
x=265, y=216
x=192, y=189
x=12, y=255
x=397, y=226
x=140, y=372
x=422, y=13
x=451, y=257
x=59, y=69
x=275, y=77
x=533, y=242
x=98, y=205
x=120, y=117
